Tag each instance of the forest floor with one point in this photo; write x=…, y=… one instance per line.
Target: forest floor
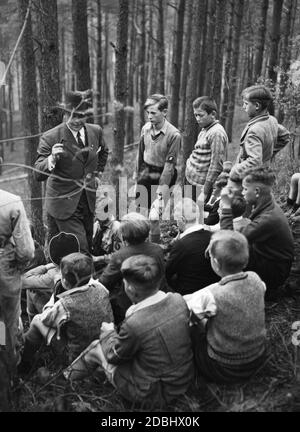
x=275, y=387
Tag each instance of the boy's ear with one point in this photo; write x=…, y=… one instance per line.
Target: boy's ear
x=257, y=106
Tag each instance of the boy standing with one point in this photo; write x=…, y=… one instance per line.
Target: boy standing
x=206, y=161
x=151, y=356
x=262, y=137
x=232, y=346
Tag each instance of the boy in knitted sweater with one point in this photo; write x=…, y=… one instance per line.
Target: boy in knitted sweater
x=69, y=324
x=150, y=358
x=206, y=160
x=229, y=335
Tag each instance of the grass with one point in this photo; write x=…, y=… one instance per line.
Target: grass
x=275, y=388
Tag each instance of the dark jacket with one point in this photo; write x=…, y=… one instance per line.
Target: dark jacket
x=270, y=240
x=187, y=263
x=152, y=351
x=65, y=182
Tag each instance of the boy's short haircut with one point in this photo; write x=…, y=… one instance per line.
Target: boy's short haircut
x=153, y=99
x=142, y=272
x=206, y=104
x=261, y=175
x=238, y=205
x=260, y=94
x=134, y=228
x=231, y=250
x=77, y=269
x=187, y=209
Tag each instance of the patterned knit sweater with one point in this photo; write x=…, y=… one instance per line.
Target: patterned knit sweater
x=236, y=331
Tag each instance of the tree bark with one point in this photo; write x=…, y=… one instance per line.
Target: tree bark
x=210, y=49
x=120, y=93
x=219, y=42
x=177, y=62
x=81, y=45
x=48, y=63
x=237, y=22
x=261, y=37
x=131, y=73
x=142, y=58
x=274, y=39
x=186, y=57
x=99, y=63
x=190, y=126
x=161, y=47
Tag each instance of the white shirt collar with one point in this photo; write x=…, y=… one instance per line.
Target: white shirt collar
x=149, y=301
x=193, y=228
x=81, y=131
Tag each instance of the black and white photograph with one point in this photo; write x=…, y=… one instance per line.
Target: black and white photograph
x=149, y=210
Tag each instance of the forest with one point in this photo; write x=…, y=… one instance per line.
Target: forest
x=125, y=50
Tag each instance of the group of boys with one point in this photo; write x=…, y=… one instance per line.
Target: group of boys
x=153, y=353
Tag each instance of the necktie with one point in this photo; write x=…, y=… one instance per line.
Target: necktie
x=79, y=140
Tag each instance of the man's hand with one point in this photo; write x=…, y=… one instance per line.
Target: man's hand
x=226, y=197
x=57, y=151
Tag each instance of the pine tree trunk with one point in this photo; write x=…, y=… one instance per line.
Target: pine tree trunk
x=120, y=94
x=48, y=63
x=285, y=57
x=30, y=119
x=106, y=67
x=261, y=37
x=81, y=45
x=210, y=49
x=202, y=69
x=237, y=23
x=186, y=57
x=131, y=73
x=219, y=50
x=190, y=126
x=142, y=61
x=99, y=63
x=275, y=39
x=177, y=61
x=161, y=48
x=227, y=66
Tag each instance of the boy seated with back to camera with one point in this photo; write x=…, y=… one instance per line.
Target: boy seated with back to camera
x=151, y=357
x=229, y=334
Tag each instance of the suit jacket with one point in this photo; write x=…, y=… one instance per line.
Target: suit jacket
x=68, y=178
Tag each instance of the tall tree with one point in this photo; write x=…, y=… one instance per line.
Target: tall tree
x=274, y=40
x=260, y=40
x=120, y=91
x=131, y=72
x=48, y=62
x=186, y=57
x=176, y=63
x=99, y=62
x=142, y=62
x=237, y=23
x=190, y=126
x=81, y=45
x=161, y=47
x=209, y=48
x=285, y=57
x=227, y=65
x=219, y=41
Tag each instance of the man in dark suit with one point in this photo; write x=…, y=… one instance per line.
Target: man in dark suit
x=72, y=156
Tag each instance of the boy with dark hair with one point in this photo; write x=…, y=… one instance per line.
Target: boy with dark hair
x=262, y=137
x=69, y=324
x=151, y=356
x=228, y=338
x=206, y=160
x=268, y=233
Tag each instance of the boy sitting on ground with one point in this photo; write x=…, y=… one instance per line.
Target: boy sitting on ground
x=75, y=319
x=229, y=339
x=151, y=357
